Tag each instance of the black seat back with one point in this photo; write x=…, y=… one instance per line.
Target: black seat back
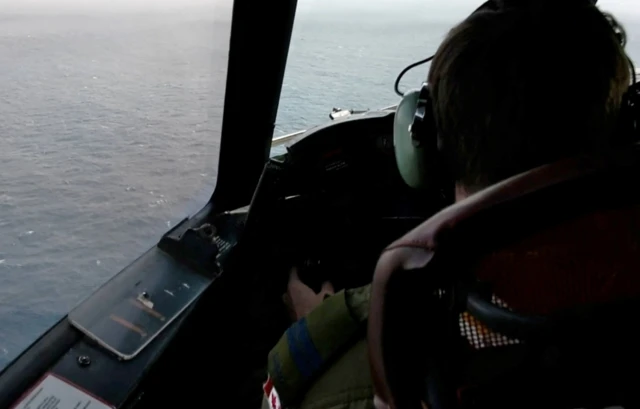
x=522, y=295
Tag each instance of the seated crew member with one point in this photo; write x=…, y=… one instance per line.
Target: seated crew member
x=512, y=90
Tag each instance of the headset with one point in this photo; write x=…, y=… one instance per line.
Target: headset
x=418, y=148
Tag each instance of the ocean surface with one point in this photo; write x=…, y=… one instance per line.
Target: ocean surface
x=110, y=124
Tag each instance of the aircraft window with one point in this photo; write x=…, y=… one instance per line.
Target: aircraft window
x=347, y=54
x=110, y=117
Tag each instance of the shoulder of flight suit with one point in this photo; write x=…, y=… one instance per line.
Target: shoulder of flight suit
x=345, y=384
x=308, y=346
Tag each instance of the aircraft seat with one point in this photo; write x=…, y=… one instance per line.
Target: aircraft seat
x=524, y=295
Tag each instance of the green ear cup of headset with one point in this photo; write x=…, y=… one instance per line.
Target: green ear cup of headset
x=411, y=160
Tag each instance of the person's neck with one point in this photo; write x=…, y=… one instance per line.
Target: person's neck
x=461, y=193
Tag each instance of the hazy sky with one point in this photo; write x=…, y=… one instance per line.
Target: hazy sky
x=106, y=5
x=436, y=8
x=443, y=8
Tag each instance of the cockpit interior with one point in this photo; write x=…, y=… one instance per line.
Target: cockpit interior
x=191, y=321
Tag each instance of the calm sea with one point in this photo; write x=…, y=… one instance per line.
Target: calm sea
x=109, y=133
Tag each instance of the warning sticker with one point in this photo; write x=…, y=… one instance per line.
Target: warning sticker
x=55, y=393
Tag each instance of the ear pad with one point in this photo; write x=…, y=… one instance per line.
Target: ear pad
x=628, y=131
x=411, y=159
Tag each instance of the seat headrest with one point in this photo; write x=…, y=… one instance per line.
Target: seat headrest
x=459, y=239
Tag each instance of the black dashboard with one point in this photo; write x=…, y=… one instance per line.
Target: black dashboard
x=336, y=199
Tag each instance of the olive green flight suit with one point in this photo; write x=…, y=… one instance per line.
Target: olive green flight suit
x=321, y=361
